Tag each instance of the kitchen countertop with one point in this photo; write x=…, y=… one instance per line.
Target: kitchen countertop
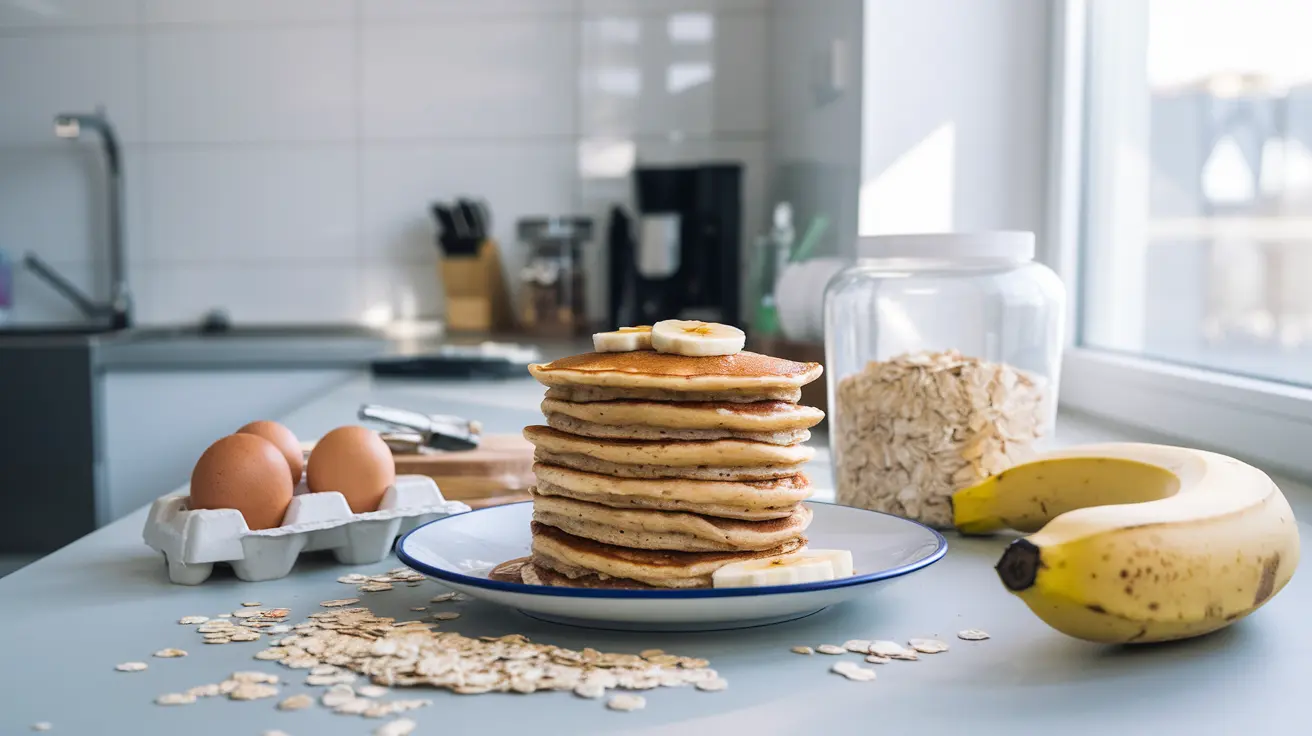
x=106, y=599
x=258, y=346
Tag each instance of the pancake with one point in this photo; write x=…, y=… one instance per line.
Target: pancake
x=641, y=432
x=671, y=530
x=753, y=501
x=755, y=416
x=704, y=472
x=649, y=369
x=575, y=557
x=603, y=393
x=537, y=575
x=674, y=453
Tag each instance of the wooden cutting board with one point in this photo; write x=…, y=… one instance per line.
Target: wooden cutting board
x=499, y=471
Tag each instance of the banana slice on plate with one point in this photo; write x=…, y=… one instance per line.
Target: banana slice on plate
x=623, y=340
x=804, y=566
x=696, y=339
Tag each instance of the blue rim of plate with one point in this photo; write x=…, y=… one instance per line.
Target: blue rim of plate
x=673, y=594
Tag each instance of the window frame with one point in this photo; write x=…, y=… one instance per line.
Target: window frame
x=1268, y=422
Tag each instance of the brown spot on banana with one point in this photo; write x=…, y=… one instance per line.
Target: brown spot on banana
x=1266, y=584
x=1096, y=608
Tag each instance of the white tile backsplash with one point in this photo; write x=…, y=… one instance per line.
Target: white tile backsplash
x=44, y=74
x=281, y=155
x=242, y=204
x=469, y=79
x=426, y=10
x=265, y=293
x=247, y=11
x=224, y=84
x=400, y=181
x=66, y=13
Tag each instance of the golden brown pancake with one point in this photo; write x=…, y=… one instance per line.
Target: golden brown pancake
x=753, y=501
x=685, y=454
x=604, y=393
x=756, y=416
x=672, y=530
x=579, y=427
x=702, y=472
x=576, y=557
x=649, y=369
x=533, y=574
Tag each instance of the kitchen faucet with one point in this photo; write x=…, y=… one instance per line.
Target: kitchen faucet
x=119, y=308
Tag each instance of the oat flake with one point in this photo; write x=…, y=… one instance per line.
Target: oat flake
x=204, y=691
x=830, y=649
x=714, y=685
x=193, y=620
x=296, y=702
x=972, y=635
x=339, y=602
x=857, y=646
x=442, y=598
x=252, y=691
x=252, y=605
x=175, y=699
x=399, y=727
x=590, y=690
x=130, y=667
x=626, y=702
x=42, y=726
x=876, y=659
x=802, y=650
x=853, y=671
x=446, y=616
x=928, y=646
x=372, y=691
x=170, y=653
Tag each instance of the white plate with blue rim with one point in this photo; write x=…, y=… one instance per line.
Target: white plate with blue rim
x=459, y=551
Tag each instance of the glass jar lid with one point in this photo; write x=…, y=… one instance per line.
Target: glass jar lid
x=999, y=245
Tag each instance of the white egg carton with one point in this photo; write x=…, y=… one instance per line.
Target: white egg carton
x=193, y=540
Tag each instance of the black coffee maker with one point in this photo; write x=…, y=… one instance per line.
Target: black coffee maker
x=679, y=258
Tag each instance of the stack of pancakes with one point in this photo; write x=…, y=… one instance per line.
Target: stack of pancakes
x=657, y=469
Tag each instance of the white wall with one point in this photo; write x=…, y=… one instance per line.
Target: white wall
x=955, y=115
x=815, y=113
x=280, y=155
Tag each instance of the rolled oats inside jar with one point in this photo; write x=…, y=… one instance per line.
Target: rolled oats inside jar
x=912, y=430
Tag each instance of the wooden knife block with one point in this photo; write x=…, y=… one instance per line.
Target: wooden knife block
x=499, y=471
x=477, y=299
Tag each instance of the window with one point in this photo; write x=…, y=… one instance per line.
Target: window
x=1183, y=196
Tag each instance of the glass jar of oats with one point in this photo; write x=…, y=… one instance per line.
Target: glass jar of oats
x=942, y=354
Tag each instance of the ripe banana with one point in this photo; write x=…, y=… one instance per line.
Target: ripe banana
x=623, y=340
x=803, y=566
x=1137, y=542
x=693, y=338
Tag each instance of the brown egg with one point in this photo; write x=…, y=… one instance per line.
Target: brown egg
x=355, y=462
x=284, y=440
x=243, y=472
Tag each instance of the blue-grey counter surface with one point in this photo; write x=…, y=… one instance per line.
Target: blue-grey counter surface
x=106, y=599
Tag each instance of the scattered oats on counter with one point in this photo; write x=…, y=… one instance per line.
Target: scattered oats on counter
x=972, y=635
x=130, y=667
x=914, y=429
